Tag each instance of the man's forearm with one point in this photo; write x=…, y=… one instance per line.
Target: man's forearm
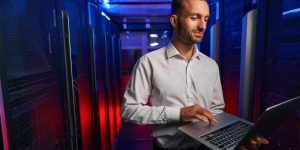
x=143, y=114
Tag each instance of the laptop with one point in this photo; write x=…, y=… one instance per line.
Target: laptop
x=231, y=132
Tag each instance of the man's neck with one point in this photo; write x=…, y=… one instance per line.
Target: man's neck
x=186, y=50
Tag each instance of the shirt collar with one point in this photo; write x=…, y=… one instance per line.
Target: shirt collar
x=172, y=51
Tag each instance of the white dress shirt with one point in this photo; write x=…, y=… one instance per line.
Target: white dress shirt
x=163, y=82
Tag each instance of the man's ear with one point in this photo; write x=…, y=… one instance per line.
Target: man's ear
x=174, y=21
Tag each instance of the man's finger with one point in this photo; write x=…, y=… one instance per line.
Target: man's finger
x=203, y=114
x=202, y=118
x=264, y=141
x=253, y=142
x=211, y=118
x=258, y=140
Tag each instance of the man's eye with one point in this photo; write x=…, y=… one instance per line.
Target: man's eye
x=193, y=18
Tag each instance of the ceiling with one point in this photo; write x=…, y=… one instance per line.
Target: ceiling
x=139, y=14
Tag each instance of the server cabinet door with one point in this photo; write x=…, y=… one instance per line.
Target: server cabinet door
x=117, y=80
x=278, y=46
x=231, y=17
x=209, y=45
x=110, y=87
x=74, y=35
x=98, y=78
x=31, y=104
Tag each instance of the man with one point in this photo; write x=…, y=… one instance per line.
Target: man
x=181, y=83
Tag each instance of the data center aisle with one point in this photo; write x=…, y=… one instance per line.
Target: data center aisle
x=134, y=137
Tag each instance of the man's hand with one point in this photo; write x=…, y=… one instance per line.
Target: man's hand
x=197, y=112
x=254, y=143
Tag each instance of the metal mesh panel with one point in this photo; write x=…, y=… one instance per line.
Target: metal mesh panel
x=34, y=104
x=24, y=41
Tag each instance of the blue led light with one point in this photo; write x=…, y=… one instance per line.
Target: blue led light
x=124, y=26
x=147, y=25
x=217, y=10
x=103, y=14
x=106, y=3
x=290, y=12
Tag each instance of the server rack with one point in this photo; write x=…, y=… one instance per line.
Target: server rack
x=109, y=84
x=106, y=71
x=110, y=45
x=118, y=77
x=93, y=17
x=57, y=70
x=209, y=45
x=231, y=14
x=72, y=20
x=99, y=61
x=277, y=65
x=32, y=110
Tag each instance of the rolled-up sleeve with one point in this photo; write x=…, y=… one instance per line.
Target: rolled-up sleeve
x=135, y=106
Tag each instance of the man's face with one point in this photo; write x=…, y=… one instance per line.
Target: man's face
x=192, y=21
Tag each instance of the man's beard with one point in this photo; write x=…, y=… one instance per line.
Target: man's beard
x=186, y=37
x=197, y=40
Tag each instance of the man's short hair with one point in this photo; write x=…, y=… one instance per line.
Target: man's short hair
x=177, y=6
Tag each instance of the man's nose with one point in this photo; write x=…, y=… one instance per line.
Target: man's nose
x=201, y=24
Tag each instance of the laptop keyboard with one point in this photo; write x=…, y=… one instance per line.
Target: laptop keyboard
x=228, y=136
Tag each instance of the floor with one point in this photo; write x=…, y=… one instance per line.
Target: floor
x=134, y=137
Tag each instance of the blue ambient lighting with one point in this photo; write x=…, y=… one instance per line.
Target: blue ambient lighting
x=217, y=10
x=293, y=11
x=103, y=14
x=106, y=3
